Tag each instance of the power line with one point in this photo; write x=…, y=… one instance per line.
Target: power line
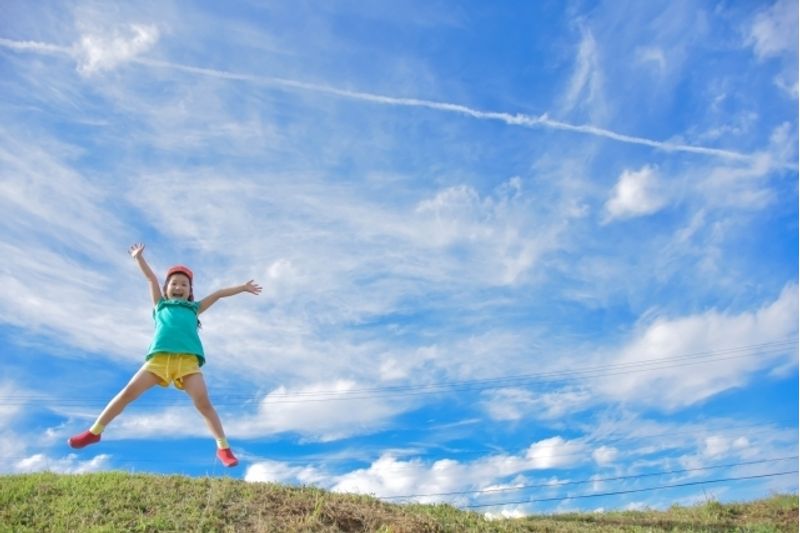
x=614, y=369
x=585, y=481
x=631, y=491
x=582, y=452
x=771, y=346
x=776, y=346
x=596, y=480
x=616, y=439
x=493, y=384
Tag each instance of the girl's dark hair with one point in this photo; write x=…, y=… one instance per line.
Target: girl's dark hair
x=191, y=292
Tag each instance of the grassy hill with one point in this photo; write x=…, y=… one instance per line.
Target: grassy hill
x=116, y=501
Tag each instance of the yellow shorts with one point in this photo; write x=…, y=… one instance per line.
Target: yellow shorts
x=172, y=367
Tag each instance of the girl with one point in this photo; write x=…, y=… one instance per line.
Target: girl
x=176, y=353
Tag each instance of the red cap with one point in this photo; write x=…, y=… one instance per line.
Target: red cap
x=180, y=269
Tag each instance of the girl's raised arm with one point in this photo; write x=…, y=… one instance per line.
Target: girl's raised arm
x=137, y=252
x=251, y=287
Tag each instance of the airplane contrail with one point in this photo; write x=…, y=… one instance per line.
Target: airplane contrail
x=508, y=118
x=518, y=119
x=36, y=47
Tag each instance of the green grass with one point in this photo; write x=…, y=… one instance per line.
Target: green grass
x=115, y=501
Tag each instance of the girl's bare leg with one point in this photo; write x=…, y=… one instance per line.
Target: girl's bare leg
x=140, y=382
x=195, y=387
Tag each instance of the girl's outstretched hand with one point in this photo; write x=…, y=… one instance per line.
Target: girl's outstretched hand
x=252, y=287
x=136, y=250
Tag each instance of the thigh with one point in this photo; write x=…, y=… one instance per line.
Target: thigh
x=195, y=386
x=141, y=381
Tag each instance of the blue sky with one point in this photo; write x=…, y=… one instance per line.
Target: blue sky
x=509, y=250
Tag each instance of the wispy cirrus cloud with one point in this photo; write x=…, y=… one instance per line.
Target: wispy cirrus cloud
x=774, y=30
x=99, y=58
x=410, y=226
x=773, y=34
x=518, y=119
x=512, y=404
x=53, y=206
x=585, y=87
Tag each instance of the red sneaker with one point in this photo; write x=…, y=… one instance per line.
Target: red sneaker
x=226, y=456
x=84, y=439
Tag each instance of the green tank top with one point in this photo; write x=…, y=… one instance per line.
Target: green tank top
x=176, y=329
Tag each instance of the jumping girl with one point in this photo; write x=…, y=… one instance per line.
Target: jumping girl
x=176, y=353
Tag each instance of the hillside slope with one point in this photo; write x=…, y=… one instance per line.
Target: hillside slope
x=115, y=501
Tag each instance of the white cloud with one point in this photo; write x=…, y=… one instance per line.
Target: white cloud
x=652, y=56
x=517, y=404
x=587, y=73
x=278, y=472
x=333, y=259
x=57, y=218
x=105, y=51
x=739, y=336
x=518, y=119
x=138, y=422
x=605, y=455
x=391, y=477
x=280, y=269
x=388, y=476
x=555, y=452
x=716, y=445
x=455, y=214
x=637, y=193
x=493, y=477
x=774, y=34
x=742, y=187
x=12, y=402
x=774, y=30
x=783, y=144
x=69, y=464
x=508, y=404
x=321, y=411
x=504, y=237
x=106, y=331
x=586, y=85
x=504, y=512
x=47, y=195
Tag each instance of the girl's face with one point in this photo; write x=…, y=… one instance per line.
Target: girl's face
x=178, y=287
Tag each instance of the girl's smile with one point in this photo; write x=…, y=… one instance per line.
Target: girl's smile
x=179, y=287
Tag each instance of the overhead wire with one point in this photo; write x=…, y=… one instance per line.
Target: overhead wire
x=559, y=484
x=553, y=484
x=488, y=452
x=607, y=370
x=759, y=348
x=631, y=491
x=582, y=452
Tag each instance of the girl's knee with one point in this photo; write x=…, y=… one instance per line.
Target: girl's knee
x=203, y=404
